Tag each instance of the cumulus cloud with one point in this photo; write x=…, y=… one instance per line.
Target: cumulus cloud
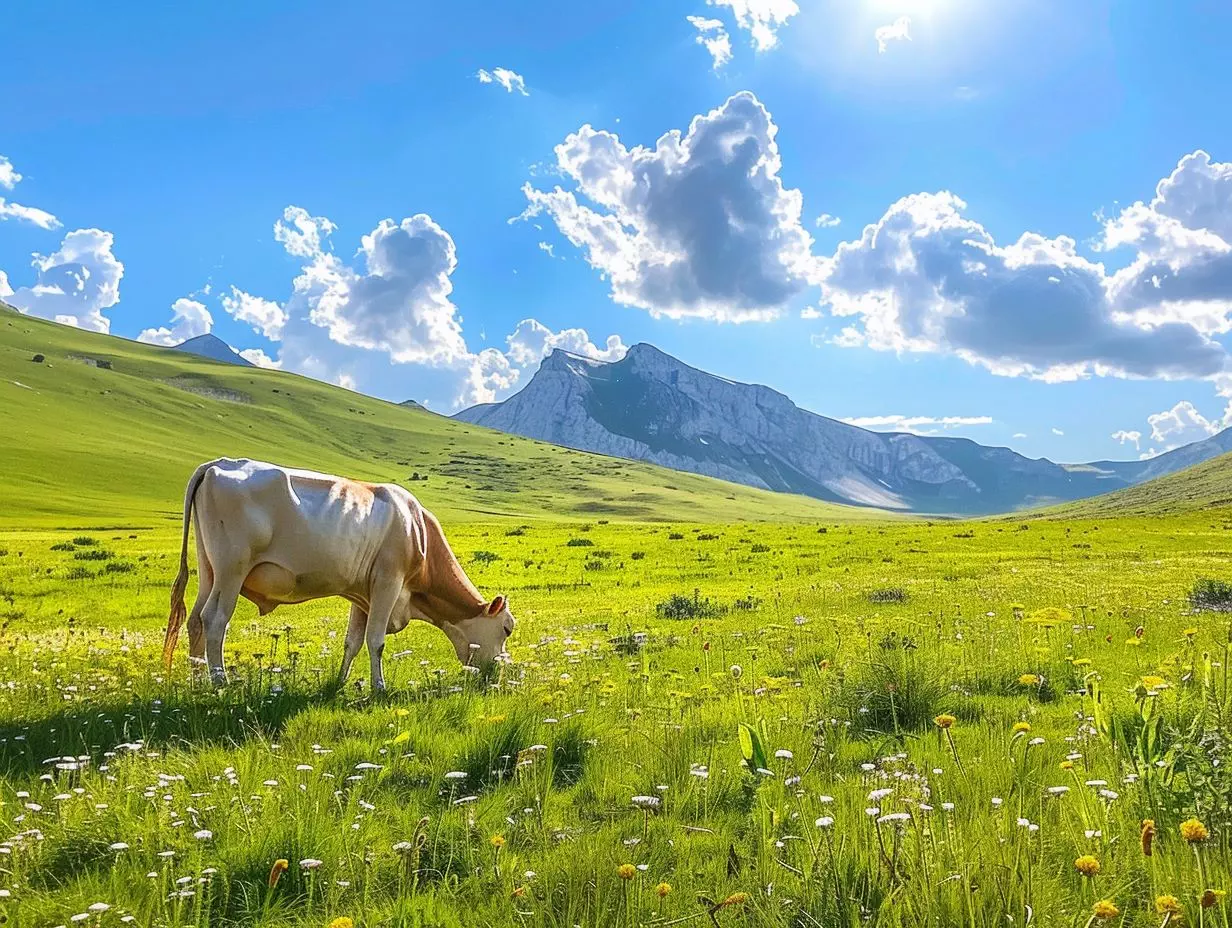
x=510, y=80
x=532, y=341
x=76, y=283
x=188, y=320
x=714, y=38
x=1127, y=437
x=5, y=289
x=921, y=425
x=926, y=278
x=700, y=225
x=488, y=374
x=762, y=19
x=1181, y=425
x=897, y=31
x=826, y=221
x=9, y=178
x=258, y=357
x=265, y=316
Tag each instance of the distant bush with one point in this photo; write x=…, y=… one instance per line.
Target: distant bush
x=485, y=557
x=706, y=536
x=4, y=552
x=119, y=567
x=1211, y=596
x=748, y=603
x=516, y=532
x=759, y=548
x=93, y=554
x=80, y=573
x=64, y=546
x=594, y=565
x=579, y=543
x=674, y=536
x=678, y=606
x=85, y=541
x=891, y=594
x=637, y=555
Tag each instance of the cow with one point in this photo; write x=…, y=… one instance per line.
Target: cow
x=276, y=535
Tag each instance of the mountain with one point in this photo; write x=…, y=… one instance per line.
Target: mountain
x=212, y=347
x=652, y=407
x=106, y=431
x=1204, y=486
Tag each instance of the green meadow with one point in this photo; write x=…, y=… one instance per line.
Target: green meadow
x=724, y=708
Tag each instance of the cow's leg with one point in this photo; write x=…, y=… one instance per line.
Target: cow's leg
x=196, y=628
x=216, y=614
x=384, y=596
x=354, y=641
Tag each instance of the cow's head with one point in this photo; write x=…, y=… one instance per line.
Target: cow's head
x=481, y=640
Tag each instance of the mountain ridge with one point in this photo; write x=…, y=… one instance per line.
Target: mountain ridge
x=651, y=406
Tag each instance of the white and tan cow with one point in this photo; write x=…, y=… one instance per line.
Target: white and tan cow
x=275, y=536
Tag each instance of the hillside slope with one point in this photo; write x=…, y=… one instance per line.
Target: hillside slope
x=90, y=443
x=650, y=406
x=1204, y=486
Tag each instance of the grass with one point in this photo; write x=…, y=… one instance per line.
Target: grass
x=171, y=804
x=89, y=447
x=1205, y=486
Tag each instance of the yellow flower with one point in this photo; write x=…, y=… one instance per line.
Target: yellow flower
x=1087, y=865
x=402, y=713
x=663, y=889
x=734, y=899
x=1021, y=728
x=1211, y=897
x=1154, y=682
x=1029, y=679
x=1189, y=632
x=626, y=871
x=1194, y=831
x=1167, y=905
x=1082, y=662
x=1148, y=835
x=945, y=720
x=1105, y=909
x=342, y=921
x=1067, y=765
x=498, y=841
x=276, y=871
x=519, y=892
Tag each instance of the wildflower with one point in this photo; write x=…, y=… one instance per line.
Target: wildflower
x=498, y=841
x=1067, y=765
x=626, y=871
x=1167, y=905
x=1193, y=831
x=1087, y=865
x=203, y=835
x=342, y=921
x=736, y=671
x=519, y=892
x=825, y=821
x=276, y=871
x=310, y=863
x=1029, y=679
x=1189, y=633
x=733, y=899
x=1105, y=909
x=1021, y=728
x=1211, y=897
x=662, y=890
x=945, y=720
x=1148, y=835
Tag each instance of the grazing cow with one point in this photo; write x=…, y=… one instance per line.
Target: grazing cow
x=275, y=535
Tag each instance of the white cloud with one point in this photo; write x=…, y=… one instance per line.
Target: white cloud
x=548, y=249
x=259, y=358
x=922, y=425
x=5, y=289
x=1181, y=425
x=76, y=283
x=510, y=80
x=1057, y=431
x=265, y=316
x=897, y=31
x=714, y=38
x=1127, y=437
x=302, y=235
x=488, y=374
x=188, y=320
x=760, y=18
x=926, y=278
x=1019, y=435
x=810, y=312
x=826, y=221
x=532, y=341
x=9, y=178
x=700, y=225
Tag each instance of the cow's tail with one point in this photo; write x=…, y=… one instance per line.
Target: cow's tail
x=175, y=620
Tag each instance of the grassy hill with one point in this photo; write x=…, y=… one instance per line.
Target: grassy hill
x=1205, y=486
x=106, y=431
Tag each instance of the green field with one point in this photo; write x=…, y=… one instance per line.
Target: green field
x=700, y=715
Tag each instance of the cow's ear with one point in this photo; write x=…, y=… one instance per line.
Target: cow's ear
x=496, y=605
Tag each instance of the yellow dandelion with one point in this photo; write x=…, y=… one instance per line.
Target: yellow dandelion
x=1167, y=905
x=734, y=899
x=945, y=720
x=1105, y=909
x=342, y=921
x=626, y=871
x=1148, y=835
x=1193, y=831
x=1154, y=682
x=1029, y=679
x=1087, y=865
x=1189, y=632
x=1067, y=765
x=497, y=841
x=662, y=890
x=276, y=871
x=1021, y=728
x=1133, y=642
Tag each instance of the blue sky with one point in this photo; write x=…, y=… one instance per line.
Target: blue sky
x=419, y=200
